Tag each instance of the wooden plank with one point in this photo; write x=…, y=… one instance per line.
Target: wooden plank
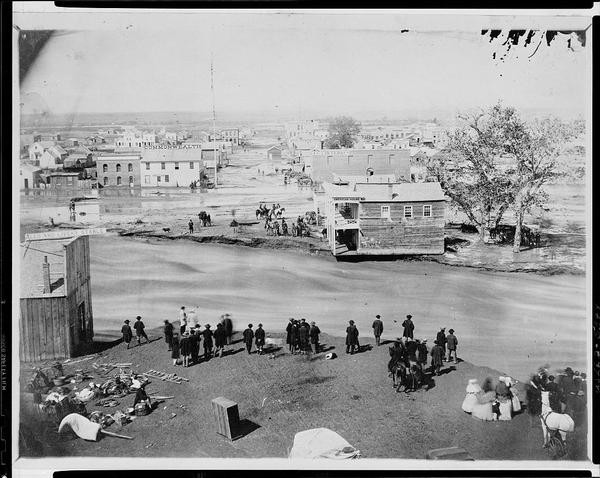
x=24, y=338
x=57, y=337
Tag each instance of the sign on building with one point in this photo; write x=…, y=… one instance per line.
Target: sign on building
x=64, y=234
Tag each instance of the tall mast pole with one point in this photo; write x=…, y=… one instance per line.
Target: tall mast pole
x=212, y=89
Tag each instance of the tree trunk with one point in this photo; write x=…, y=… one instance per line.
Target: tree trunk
x=518, y=227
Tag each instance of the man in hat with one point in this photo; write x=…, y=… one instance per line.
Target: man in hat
x=441, y=339
x=259, y=339
x=288, y=331
x=314, y=336
x=207, y=334
x=437, y=354
x=422, y=352
x=220, y=339
x=139, y=330
x=451, y=342
x=568, y=391
x=227, y=327
x=191, y=226
x=127, y=333
x=168, y=330
x=411, y=349
x=351, y=338
x=409, y=327
x=554, y=394
x=377, y=329
x=194, y=345
x=248, y=336
x=303, y=334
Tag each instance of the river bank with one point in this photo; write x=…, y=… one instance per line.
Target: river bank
x=513, y=322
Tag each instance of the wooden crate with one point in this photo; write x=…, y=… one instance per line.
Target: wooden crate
x=227, y=417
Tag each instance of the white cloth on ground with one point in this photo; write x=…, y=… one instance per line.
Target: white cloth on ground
x=81, y=426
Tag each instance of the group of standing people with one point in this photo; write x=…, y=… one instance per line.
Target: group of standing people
x=139, y=331
x=184, y=344
x=300, y=336
x=490, y=403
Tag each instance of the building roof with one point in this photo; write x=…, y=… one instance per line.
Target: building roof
x=29, y=167
x=386, y=192
x=401, y=192
x=172, y=154
x=274, y=147
x=32, y=257
x=43, y=144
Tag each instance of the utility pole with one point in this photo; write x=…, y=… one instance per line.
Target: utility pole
x=212, y=89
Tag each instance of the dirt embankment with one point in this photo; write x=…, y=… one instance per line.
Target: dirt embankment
x=281, y=394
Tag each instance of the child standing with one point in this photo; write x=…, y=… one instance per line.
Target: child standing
x=175, y=349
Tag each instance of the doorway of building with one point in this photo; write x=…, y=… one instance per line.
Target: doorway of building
x=81, y=321
x=346, y=240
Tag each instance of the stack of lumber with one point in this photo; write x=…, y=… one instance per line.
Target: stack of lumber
x=165, y=377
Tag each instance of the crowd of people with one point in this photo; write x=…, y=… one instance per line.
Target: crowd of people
x=567, y=393
x=490, y=403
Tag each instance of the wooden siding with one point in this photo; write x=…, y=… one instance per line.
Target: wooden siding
x=399, y=235
x=42, y=329
x=77, y=284
x=49, y=325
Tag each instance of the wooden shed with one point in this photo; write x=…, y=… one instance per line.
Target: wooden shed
x=56, y=302
x=385, y=219
x=274, y=153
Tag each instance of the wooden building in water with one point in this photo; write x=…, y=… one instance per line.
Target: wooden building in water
x=385, y=219
x=56, y=301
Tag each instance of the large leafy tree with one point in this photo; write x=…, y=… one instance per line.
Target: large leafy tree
x=535, y=148
x=471, y=168
x=342, y=132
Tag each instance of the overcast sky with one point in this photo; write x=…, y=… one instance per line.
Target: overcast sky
x=299, y=67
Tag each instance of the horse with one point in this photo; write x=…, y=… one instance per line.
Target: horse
x=207, y=221
x=280, y=212
x=553, y=421
x=398, y=373
x=270, y=228
x=414, y=376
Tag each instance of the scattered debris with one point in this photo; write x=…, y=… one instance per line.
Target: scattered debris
x=168, y=377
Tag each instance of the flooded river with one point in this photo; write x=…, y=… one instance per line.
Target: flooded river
x=513, y=322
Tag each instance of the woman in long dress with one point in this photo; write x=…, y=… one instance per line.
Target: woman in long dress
x=516, y=403
x=504, y=398
x=470, y=400
x=483, y=408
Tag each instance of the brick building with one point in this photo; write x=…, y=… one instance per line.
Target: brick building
x=118, y=170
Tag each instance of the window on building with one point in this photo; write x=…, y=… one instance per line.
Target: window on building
x=105, y=168
x=408, y=211
x=118, y=180
x=158, y=179
x=176, y=165
x=146, y=179
x=385, y=212
x=162, y=165
x=105, y=181
x=166, y=178
x=427, y=210
x=118, y=168
x=131, y=180
x=191, y=165
x=69, y=180
x=130, y=167
x=147, y=166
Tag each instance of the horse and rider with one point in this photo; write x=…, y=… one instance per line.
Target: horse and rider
x=405, y=365
x=204, y=219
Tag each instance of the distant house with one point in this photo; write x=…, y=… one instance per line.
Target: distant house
x=78, y=161
x=385, y=219
x=231, y=135
x=51, y=136
x=53, y=157
x=66, y=181
x=29, y=176
x=118, y=169
x=26, y=140
x=171, y=167
x=56, y=301
x=37, y=149
x=324, y=165
x=274, y=153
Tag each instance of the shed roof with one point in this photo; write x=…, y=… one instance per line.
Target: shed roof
x=401, y=192
x=32, y=257
x=172, y=154
x=275, y=147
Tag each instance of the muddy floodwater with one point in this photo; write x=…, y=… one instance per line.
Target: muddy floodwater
x=513, y=322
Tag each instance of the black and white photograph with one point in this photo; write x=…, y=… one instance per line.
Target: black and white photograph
x=305, y=235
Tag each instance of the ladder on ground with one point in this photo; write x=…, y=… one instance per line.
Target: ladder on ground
x=341, y=248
